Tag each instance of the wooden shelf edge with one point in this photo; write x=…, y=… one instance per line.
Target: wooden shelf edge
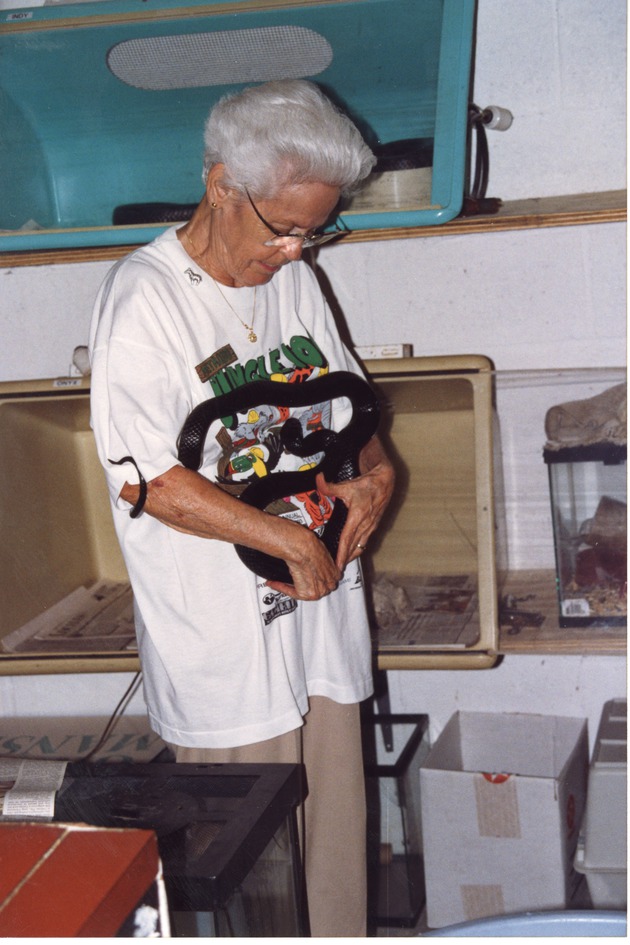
x=536, y=213
x=57, y=664
x=538, y=588
x=574, y=645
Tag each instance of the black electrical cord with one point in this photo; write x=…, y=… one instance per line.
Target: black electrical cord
x=113, y=721
x=477, y=125
x=475, y=201
x=115, y=717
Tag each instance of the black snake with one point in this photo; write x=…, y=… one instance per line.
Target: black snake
x=341, y=449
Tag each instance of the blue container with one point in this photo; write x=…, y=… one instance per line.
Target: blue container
x=576, y=924
x=103, y=104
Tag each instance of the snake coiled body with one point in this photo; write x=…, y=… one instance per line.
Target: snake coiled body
x=341, y=449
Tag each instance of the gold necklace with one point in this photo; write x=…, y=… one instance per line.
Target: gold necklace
x=251, y=334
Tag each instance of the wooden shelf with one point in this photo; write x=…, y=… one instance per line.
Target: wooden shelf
x=535, y=593
x=536, y=213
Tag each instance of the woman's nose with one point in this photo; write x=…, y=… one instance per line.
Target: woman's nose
x=293, y=250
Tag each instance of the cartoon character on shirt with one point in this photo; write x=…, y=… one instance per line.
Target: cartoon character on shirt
x=253, y=449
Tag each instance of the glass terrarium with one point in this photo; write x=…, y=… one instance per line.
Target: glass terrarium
x=227, y=838
x=394, y=748
x=589, y=509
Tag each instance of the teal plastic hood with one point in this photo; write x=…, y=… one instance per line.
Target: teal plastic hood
x=102, y=104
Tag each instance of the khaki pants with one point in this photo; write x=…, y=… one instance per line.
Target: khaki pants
x=329, y=747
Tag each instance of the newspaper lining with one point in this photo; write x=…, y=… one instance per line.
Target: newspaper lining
x=419, y=611
x=439, y=611
x=28, y=788
x=95, y=618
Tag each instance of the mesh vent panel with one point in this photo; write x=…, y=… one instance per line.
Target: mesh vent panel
x=200, y=59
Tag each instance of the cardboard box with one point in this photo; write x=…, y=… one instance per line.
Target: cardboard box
x=502, y=797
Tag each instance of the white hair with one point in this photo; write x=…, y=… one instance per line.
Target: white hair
x=282, y=133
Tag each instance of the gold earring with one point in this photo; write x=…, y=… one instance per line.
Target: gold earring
x=214, y=205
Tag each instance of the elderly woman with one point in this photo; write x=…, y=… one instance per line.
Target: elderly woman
x=237, y=668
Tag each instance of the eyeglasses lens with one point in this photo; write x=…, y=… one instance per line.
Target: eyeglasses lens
x=305, y=241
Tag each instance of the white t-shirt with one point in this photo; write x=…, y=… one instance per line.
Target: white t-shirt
x=226, y=661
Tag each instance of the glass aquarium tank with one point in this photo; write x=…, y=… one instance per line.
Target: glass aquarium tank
x=589, y=509
x=227, y=838
x=394, y=748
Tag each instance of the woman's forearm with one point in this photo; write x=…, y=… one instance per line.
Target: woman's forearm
x=190, y=503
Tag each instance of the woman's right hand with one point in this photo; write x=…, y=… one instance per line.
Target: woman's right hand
x=314, y=573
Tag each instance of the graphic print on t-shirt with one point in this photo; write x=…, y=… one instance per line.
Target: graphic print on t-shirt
x=250, y=441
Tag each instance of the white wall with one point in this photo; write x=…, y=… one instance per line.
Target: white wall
x=533, y=299
x=545, y=298
x=559, y=66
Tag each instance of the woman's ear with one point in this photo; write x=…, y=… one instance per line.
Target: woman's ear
x=217, y=190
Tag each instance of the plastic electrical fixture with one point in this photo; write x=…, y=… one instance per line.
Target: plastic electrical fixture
x=500, y=119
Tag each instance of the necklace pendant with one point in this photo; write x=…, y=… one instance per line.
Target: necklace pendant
x=253, y=337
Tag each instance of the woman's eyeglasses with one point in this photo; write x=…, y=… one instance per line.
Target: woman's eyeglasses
x=306, y=239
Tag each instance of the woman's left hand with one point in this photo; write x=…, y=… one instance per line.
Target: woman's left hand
x=365, y=498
